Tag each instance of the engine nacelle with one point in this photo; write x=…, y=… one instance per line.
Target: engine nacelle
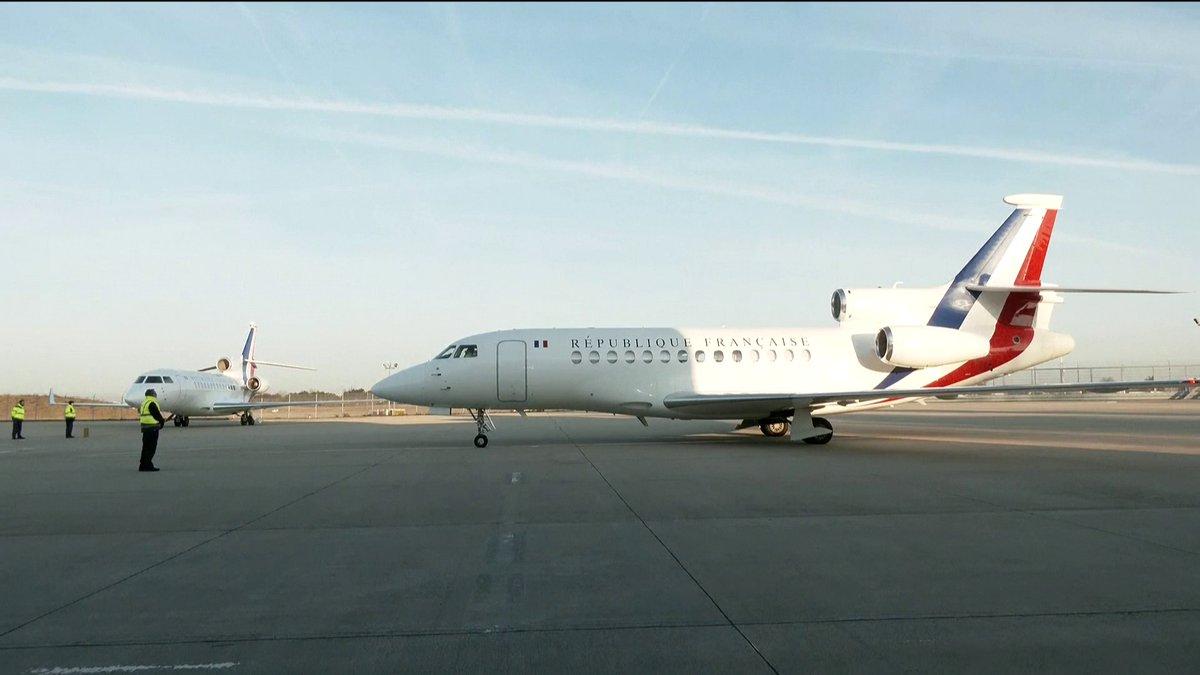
x=257, y=385
x=925, y=346
x=223, y=365
x=885, y=305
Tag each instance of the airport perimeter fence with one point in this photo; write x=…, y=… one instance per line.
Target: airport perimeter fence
x=355, y=405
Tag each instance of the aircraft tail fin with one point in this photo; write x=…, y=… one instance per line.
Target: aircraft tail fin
x=248, y=365
x=1001, y=282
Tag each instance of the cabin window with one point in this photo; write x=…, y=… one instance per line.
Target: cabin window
x=612, y=357
x=466, y=352
x=700, y=356
x=576, y=357
x=683, y=356
x=141, y=379
x=736, y=355
x=805, y=355
x=594, y=356
x=446, y=353
x=789, y=355
x=718, y=356
x=630, y=357
x=771, y=355
x=154, y=379
x=648, y=356
x=665, y=356
x=754, y=356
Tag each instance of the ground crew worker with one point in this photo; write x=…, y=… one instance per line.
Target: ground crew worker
x=18, y=418
x=152, y=420
x=69, y=415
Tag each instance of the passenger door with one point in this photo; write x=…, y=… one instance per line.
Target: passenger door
x=511, y=381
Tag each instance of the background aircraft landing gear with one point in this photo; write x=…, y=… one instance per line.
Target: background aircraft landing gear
x=823, y=438
x=774, y=427
x=247, y=419
x=484, y=424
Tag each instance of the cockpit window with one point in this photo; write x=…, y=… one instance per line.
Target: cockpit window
x=154, y=379
x=446, y=353
x=168, y=380
x=141, y=379
x=466, y=352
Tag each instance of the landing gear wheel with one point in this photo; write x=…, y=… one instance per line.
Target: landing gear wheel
x=178, y=421
x=823, y=438
x=481, y=441
x=243, y=420
x=774, y=427
x=187, y=421
x=250, y=420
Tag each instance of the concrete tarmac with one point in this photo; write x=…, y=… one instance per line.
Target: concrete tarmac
x=957, y=537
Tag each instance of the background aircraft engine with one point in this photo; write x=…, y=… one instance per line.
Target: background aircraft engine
x=924, y=346
x=257, y=385
x=223, y=365
x=885, y=305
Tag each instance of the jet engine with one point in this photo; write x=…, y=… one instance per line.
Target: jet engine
x=257, y=385
x=223, y=365
x=925, y=346
x=885, y=305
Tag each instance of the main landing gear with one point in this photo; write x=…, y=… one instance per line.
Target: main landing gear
x=181, y=421
x=247, y=419
x=484, y=424
x=775, y=427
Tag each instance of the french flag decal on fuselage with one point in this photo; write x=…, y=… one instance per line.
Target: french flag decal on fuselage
x=541, y=344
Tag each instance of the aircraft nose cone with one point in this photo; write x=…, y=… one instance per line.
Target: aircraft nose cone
x=406, y=386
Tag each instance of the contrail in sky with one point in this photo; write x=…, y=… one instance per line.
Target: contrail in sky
x=453, y=114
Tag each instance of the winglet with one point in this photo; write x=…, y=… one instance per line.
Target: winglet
x=1035, y=201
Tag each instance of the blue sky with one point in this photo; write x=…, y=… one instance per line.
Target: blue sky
x=370, y=182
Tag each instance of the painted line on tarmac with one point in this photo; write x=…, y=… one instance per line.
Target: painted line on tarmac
x=61, y=670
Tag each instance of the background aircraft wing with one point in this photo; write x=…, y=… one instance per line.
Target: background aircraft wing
x=243, y=406
x=751, y=405
x=89, y=404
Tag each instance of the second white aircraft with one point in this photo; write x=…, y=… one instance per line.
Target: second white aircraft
x=185, y=394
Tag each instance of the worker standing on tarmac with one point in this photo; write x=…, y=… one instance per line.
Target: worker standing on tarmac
x=152, y=420
x=18, y=418
x=69, y=415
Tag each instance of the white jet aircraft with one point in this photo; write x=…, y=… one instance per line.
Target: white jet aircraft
x=891, y=345
x=197, y=393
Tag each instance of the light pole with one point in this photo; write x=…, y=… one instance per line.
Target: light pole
x=388, y=367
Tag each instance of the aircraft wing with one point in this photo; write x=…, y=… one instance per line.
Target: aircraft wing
x=243, y=406
x=751, y=405
x=90, y=404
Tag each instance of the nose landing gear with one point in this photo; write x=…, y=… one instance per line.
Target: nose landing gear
x=484, y=424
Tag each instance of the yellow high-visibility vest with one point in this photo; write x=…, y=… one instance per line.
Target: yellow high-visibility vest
x=69, y=412
x=144, y=412
x=18, y=412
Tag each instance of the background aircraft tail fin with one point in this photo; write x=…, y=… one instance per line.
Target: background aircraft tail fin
x=248, y=365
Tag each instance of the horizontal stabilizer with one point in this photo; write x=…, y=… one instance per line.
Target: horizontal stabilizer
x=985, y=288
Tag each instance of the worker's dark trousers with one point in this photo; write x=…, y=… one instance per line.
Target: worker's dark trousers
x=16, y=428
x=149, y=444
x=70, y=425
